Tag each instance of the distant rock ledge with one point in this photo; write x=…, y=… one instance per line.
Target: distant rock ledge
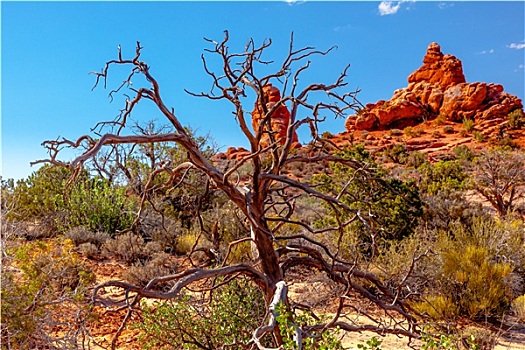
x=438, y=87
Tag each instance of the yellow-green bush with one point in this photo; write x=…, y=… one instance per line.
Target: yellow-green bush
x=438, y=307
x=469, y=271
x=43, y=287
x=240, y=252
x=468, y=282
x=468, y=124
x=518, y=306
x=186, y=242
x=516, y=119
x=476, y=284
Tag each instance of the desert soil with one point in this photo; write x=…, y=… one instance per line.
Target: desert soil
x=107, y=324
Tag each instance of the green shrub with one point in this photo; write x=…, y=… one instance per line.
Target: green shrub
x=324, y=339
x=327, y=135
x=100, y=206
x=478, y=136
x=468, y=124
x=416, y=159
x=371, y=344
x=397, y=153
x=432, y=341
x=463, y=153
x=38, y=196
x=507, y=141
x=44, y=199
x=231, y=315
x=516, y=119
x=454, y=341
x=37, y=200
x=442, y=175
x=413, y=132
x=393, y=206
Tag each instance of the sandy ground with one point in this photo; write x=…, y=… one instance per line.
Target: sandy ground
x=303, y=291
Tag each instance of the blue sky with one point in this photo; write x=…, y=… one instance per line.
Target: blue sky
x=48, y=49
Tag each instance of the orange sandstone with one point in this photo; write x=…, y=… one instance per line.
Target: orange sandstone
x=276, y=116
x=438, y=87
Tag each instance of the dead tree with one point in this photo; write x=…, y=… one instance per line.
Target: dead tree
x=268, y=200
x=499, y=176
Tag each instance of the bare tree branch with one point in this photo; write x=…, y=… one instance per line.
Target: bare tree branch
x=266, y=198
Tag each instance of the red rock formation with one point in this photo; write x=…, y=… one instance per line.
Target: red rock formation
x=231, y=153
x=279, y=119
x=437, y=87
x=438, y=69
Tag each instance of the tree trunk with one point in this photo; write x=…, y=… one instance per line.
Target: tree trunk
x=266, y=252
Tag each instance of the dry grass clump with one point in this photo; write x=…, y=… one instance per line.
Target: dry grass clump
x=80, y=235
x=518, y=307
x=127, y=248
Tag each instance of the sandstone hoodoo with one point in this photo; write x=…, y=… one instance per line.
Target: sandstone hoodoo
x=438, y=69
x=438, y=87
x=279, y=118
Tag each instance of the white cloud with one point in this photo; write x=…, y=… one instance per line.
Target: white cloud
x=343, y=28
x=445, y=5
x=484, y=52
x=518, y=46
x=294, y=2
x=391, y=7
x=388, y=8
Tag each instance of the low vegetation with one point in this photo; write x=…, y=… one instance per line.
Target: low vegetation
x=456, y=257
x=211, y=247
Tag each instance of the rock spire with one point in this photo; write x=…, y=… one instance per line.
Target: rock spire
x=438, y=87
x=279, y=118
